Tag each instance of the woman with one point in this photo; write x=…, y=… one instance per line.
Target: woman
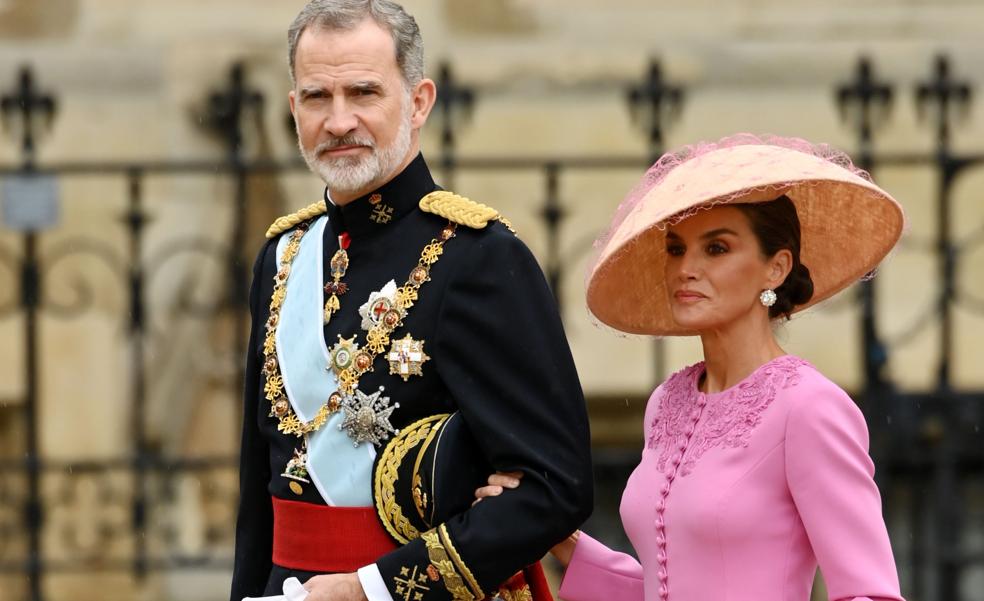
x=755, y=467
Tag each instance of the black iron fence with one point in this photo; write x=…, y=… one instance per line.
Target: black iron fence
x=928, y=446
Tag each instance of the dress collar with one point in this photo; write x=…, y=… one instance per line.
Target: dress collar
x=378, y=210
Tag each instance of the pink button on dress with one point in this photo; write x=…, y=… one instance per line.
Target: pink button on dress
x=740, y=494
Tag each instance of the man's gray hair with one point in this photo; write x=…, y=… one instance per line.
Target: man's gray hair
x=343, y=15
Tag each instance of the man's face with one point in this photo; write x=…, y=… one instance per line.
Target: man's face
x=356, y=121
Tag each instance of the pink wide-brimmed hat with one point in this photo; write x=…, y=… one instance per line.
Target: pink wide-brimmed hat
x=848, y=224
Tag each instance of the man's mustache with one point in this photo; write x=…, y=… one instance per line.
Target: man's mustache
x=344, y=141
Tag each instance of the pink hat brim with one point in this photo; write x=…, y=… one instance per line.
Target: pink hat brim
x=848, y=225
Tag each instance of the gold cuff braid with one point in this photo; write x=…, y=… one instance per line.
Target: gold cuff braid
x=439, y=558
x=523, y=594
x=458, y=562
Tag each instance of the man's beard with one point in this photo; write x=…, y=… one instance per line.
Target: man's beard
x=352, y=174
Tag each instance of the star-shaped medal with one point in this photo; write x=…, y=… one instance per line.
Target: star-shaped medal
x=406, y=357
x=367, y=417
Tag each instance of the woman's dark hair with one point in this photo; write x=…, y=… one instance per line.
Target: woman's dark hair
x=777, y=227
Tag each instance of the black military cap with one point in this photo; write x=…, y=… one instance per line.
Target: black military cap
x=426, y=474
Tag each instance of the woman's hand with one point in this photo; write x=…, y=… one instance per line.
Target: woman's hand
x=564, y=550
x=498, y=482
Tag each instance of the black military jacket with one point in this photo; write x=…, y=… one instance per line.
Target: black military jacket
x=498, y=355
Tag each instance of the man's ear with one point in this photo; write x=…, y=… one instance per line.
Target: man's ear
x=424, y=97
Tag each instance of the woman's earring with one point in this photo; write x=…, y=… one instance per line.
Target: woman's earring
x=767, y=298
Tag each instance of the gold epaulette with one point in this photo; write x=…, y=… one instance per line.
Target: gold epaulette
x=460, y=210
x=285, y=223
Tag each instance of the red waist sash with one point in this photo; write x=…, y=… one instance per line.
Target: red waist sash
x=340, y=540
x=327, y=540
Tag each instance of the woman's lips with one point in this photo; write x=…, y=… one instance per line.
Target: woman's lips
x=688, y=296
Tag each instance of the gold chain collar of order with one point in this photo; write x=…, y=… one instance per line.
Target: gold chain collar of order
x=377, y=339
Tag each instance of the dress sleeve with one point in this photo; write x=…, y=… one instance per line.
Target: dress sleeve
x=254, y=525
x=830, y=476
x=596, y=573
x=503, y=355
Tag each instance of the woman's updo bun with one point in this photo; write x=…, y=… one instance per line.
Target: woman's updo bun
x=777, y=227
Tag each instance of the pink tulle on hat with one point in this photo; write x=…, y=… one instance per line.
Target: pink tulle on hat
x=848, y=224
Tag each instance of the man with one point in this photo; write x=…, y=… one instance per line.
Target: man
x=388, y=303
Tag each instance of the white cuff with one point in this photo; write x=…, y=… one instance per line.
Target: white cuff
x=372, y=584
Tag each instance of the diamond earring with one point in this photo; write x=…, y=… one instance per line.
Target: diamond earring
x=767, y=298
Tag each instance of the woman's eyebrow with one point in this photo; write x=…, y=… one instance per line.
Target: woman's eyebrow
x=711, y=234
x=718, y=232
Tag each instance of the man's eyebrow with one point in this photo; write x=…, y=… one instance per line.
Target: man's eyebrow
x=307, y=92
x=365, y=86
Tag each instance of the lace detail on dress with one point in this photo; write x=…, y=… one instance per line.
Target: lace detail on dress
x=677, y=404
x=729, y=417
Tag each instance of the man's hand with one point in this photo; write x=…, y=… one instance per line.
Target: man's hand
x=335, y=587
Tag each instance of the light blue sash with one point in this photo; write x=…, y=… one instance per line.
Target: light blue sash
x=341, y=472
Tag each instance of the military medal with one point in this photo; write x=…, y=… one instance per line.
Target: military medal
x=406, y=357
x=339, y=265
x=382, y=308
x=296, y=471
x=367, y=417
x=342, y=355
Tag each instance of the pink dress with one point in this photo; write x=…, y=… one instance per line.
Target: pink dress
x=740, y=494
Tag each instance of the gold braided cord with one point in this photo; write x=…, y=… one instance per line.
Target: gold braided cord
x=459, y=562
x=439, y=558
x=282, y=224
x=458, y=209
x=521, y=594
x=508, y=224
x=384, y=483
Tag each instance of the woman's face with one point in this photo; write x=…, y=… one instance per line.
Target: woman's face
x=715, y=270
